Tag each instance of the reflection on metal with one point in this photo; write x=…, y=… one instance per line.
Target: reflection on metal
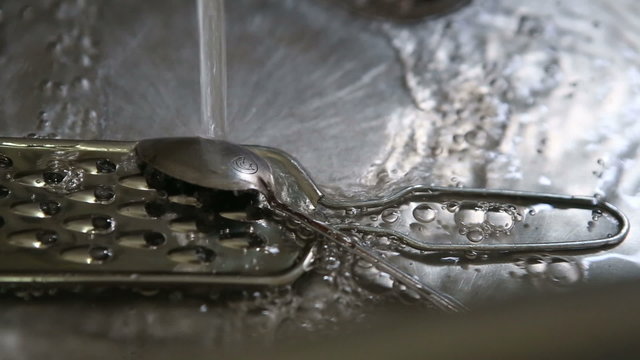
x=404, y=10
x=277, y=199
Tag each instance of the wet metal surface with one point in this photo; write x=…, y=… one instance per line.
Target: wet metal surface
x=535, y=96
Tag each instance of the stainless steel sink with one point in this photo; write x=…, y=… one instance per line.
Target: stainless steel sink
x=536, y=96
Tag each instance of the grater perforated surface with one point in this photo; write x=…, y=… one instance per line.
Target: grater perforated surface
x=82, y=212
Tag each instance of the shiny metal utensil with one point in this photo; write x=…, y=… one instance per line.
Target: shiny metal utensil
x=193, y=211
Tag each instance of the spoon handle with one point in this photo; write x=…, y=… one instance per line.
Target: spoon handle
x=453, y=219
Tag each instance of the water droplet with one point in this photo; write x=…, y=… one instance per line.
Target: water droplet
x=390, y=215
x=596, y=214
x=53, y=177
x=105, y=166
x=499, y=220
x=451, y=206
x=50, y=207
x=475, y=235
x=47, y=237
x=468, y=215
x=424, y=213
x=102, y=223
x=103, y=193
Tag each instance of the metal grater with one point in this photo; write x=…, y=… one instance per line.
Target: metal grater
x=200, y=212
x=82, y=212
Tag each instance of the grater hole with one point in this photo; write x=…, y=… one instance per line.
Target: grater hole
x=95, y=224
x=192, y=255
x=143, y=239
x=105, y=166
x=137, y=182
x=50, y=207
x=102, y=223
x=135, y=210
x=54, y=177
x=155, y=209
x=35, y=210
x=235, y=215
x=185, y=200
x=88, y=254
x=183, y=225
x=4, y=192
x=104, y=193
x=241, y=240
x=33, y=239
x=5, y=162
x=153, y=239
x=30, y=179
x=47, y=237
x=100, y=195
